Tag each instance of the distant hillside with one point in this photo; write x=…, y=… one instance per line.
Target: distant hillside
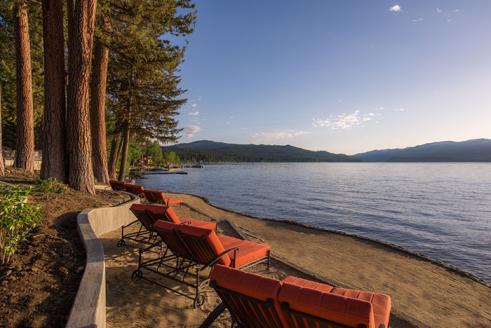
x=477, y=150
x=211, y=151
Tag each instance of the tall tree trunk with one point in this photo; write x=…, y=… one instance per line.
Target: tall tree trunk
x=2, y=164
x=24, y=155
x=54, y=164
x=81, y=21
x=124, y=155
x=113, y=158
x=97, y=111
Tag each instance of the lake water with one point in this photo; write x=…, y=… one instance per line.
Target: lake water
x=440, y=210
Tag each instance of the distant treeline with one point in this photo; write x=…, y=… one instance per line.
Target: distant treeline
x=209, y=151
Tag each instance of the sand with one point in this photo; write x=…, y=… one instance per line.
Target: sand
x=424, y=294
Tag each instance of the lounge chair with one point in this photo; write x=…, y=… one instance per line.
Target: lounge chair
x=250, y=298
x=145, y=232
x=198, y=249
x=256, y=301
x=117, y=185
x=157, y=197
x=167, y=213
x=135, y=189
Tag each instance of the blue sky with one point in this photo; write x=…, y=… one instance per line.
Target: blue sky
x=344, y=76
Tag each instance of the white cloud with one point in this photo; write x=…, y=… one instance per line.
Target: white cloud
x=438, y=10
x=395, y=9
x=344, y=121
x=277, y=135
x=417, y=20
x=194, y=113
x=400, y=109
x=190, y=131
x=194, y=105
x=456, y=10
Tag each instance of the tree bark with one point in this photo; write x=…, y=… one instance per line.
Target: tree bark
x=98, y=113
x=81, y=14
x=113, y=158
x=124, y=155
x=54, y=163
x=2, y=163
x=24, y=155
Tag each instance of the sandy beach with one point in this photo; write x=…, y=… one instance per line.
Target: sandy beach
x=424, y=294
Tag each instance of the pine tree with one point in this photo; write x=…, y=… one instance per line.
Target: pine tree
x=54, y=163
x=8, y=68
x=98, y=94
x=81, y=24
x=24, y=155
x=115, y=152
x=143, y=86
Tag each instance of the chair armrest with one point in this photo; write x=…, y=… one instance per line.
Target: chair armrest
x=215, y=260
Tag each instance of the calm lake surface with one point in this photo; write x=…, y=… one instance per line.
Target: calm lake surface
x=440, y=210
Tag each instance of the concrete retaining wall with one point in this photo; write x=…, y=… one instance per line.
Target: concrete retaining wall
x=89, y=308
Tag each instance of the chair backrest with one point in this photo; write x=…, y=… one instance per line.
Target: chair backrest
x=161, y=212
x=135, y=189
x=155, y=196
x=140, y=211
x=167, y=232
x=203, y=244
x=312, y=305
x=250, y=298
x=117, y=185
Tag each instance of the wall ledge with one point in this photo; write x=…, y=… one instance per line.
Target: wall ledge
x=89, y=307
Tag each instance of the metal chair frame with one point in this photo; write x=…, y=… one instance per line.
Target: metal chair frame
x=142, y=236
x=189, y=266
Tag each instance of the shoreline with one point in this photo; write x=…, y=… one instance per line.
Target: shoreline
x=376, y=242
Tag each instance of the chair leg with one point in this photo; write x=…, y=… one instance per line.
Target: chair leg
x=196, y=296
x=121, y=242
x=213, y=316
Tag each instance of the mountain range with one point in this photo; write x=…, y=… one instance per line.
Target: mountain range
x=476, y=150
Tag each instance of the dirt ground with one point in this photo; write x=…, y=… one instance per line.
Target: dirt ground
x=38, y=287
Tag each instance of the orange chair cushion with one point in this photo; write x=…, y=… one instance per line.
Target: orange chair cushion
x=140, y=211
x=156, y=196
x=157, y=211
x=381, y=303
x=166, y=231
x=248, y=252
x=199, y=223
x=172, y=215
x=117, y=185
x=211, y=238
x=160, y=212
x=248, y=284
x=134, y=189
x=316, y=299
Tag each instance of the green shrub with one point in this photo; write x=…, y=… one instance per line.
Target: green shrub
x=50, y=185
x=17, y=219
